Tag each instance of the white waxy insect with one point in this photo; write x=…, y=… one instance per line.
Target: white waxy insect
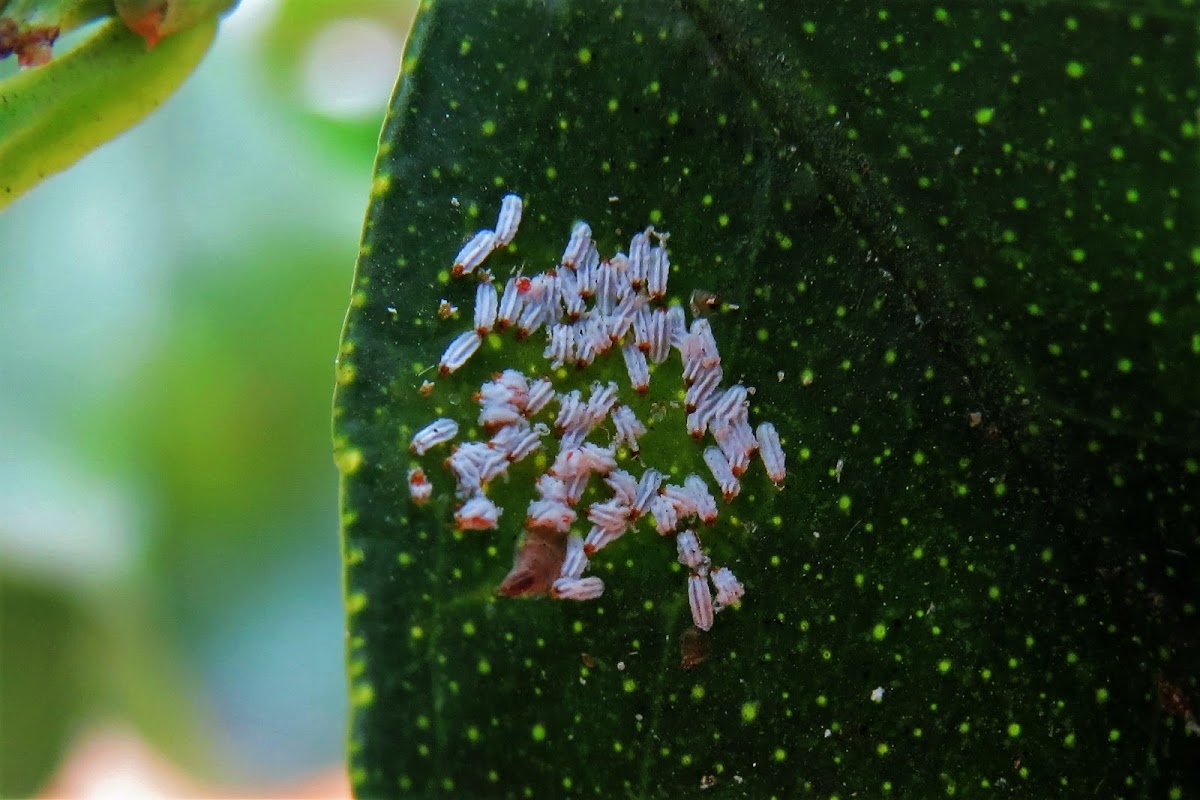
x=437, y=432
x=507, y=437
x=659, y=267
x=552, y=514
x=576, y=484
x=624, y=486
x=576, y=560
x=735, y=451
x=572, y=412
x=771, y=452
x=578, y=246
x=624, y=315
x=540, y=393
x=691, y=555
x=660, y=337
x=703, y=329
x=516, y=383
x=560, y=349
x=474, y=253
x=532, y=317
x=698, y=420
x=601, y=401
x=467, y=463
x=511, y=303
x=705, y=385
x=682, y=498
x=493, y=416
x=706, y=504
x=700, y=600
x=585, y=272
x=589, y=588
x=691, y=349
x=551, y=488
x=572, y=298
x=729, y=403
x=647, y=490
x=611, y=515
x=629, y=428
x=528, y=444
x=570, y=462
x=585, y=344
x=729, y=588
x=637, y=367
x=719, y=465
x=599, y=459
x=459, y=351
x=477, y=514
x=639, y=249
x=666, y=516
x=599, y=538
x=508, y=220
x=676, y=324
x=837, y=470
x=419, y=487
x=486, y=306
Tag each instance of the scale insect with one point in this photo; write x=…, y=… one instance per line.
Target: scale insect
x=588, y=442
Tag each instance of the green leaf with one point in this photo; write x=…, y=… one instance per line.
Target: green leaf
x=57, y=113
x=990, y=509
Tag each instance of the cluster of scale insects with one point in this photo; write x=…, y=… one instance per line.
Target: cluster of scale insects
x=588, y=308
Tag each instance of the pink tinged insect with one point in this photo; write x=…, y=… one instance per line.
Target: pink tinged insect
x=706, y=504
x=637, y=367
x=550, y=514
x=477, y=514
x=729, y=589
x=601, y=401
x=578, y=246
x=437, y=432
x=419, y=487
x=656, y=275
x=611, y=516
x=703, y=329
x=691, y=555
x=700, y=600
x=719, y=465
x=540, y=393
x=494, y=416
x=576, y=559
x=585, y=272
x=598, y=538
x=560, y=349
x=639, y=249
x=624, y=315
x=509, y=219
x=623, y=485
x=676, y=325
x=511, y=303
x=682, y=498
x=601, y=460
x=474, y=253
x=459, y=352
x=705, y=385
x=647, y=490
x=729, y=402
x=551, y=488
x=698, y=420
x=629, y=428
x=735, y=451
x=666, y=516
x=589, y=588
x=486, y=305
x=771, y=452
x=572, y=412
x=572, y=299
x=660, y=337
x=528, y=444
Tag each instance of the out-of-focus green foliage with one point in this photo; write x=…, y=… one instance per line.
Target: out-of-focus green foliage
x=958, y=246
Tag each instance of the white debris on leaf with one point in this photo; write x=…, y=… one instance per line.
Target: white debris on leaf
x=587, y=308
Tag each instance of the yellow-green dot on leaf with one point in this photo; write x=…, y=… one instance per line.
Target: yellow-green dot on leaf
x=918, y=553
x=1117, y=153
x=944, y=666
x=488, y=127
x=484, y=667
x=994, y=592
x=538, y=733
x=1078, y=254
x=918, y=458
x=844, y=502
x=629, y=685
x=882, y=749
x=879, y=631
x=1014, y=729
x=1125, y=365
x=417, y=632
x=697, y=692
x=780, y=754
x=896, y=75
x=762, y=334
x=1155, y=317
x=1075, y=69
x=1020, y=203
x=749, y=712
x=1102, y=695
x=584, y=55
x=984, y=116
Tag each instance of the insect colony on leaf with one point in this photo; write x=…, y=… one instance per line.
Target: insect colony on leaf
x=590, y=307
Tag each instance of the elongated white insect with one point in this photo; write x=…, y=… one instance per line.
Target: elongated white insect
x=486, y=305
x=706, y=505
x=589, y=588
x=691, y=555
x=477, y=514
x=552, y=514
x=569, y=462
x=735, y=452
x=561, y=347
x=624, y=486
x=540, y=393
x=437, y=432
x=705, y=385
x=551, y=488
x=624, y=315
x=511, y=303
x=493, y=416
x=629, y=427
x=459, y=351
x=676, y=324
x=577, y=247
x=572, y=412
x=509, y=219
x=610, y=515
x=599, y=459
x=691, y=349
x=572, y=299
x=599, y=538
x=771, y=452
x=660, y=337
x=473, y=253
x=682, y=498
x=517, y=384
x=419, y=487
x=729, y=402
x=729, y=589
x=698, y=421
x=576, y=484
x=659, y=267
x=700, y=600
x=576, y=559
x=722, y=473
x=703, y=329
x=666, y=517
x=528, y=444
x=601, y=401
x=639, y=249
x=585, y=272
x=647, y=490
x=637, y=367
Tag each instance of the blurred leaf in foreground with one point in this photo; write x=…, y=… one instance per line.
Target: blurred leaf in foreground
x=955, y=259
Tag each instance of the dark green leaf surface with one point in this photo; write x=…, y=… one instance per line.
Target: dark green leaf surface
x=962, y=248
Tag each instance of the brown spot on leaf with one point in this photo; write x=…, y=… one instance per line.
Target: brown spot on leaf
x=694, y=647
x=537, y=564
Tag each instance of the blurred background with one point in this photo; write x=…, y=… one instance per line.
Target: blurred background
x=170, y=608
